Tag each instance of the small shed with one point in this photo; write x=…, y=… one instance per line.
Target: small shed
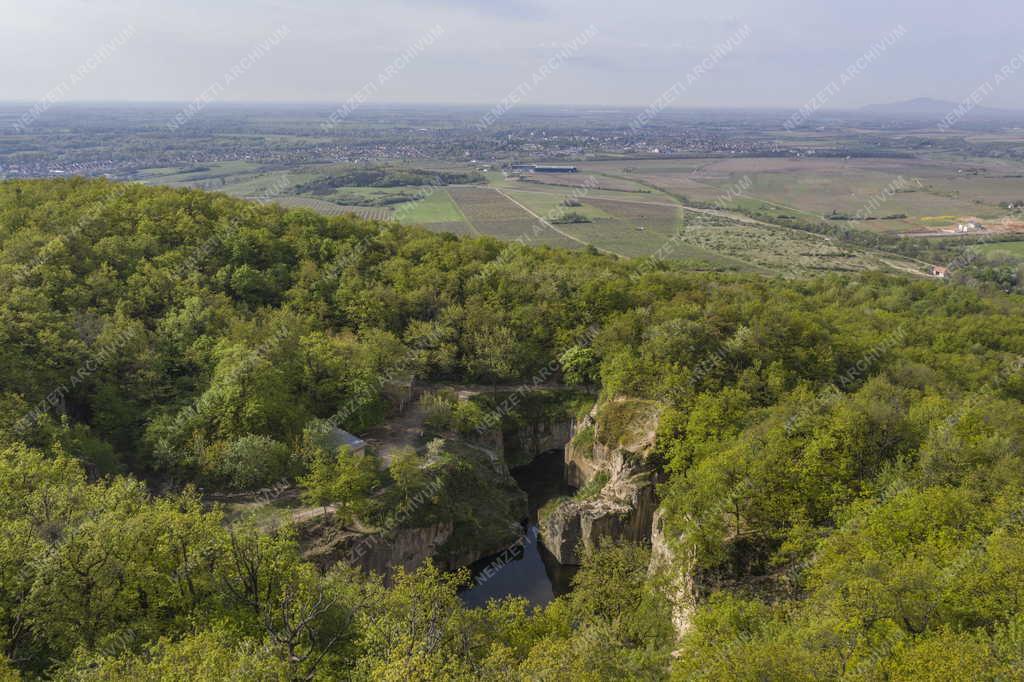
x=337, y=438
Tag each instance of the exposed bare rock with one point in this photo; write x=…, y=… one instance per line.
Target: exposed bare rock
x=524, y=444
x=676, y=572
x=379, y=552
x=615, y=440
x=617, y=436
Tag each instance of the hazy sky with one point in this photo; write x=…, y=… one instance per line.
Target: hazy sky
x=180, y=48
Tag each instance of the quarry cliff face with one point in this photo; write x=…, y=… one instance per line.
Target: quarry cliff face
x=522, y=444
x=673, y=562
x=613, y=444
x=608, y=455
x=381, y=552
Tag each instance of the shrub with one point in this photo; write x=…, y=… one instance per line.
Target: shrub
x=594, y=487
x=440, y=409
x=570, y=217
x=584, y=439
x=247, y=463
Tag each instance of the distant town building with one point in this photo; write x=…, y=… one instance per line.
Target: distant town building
x=939, y=271
x=554, y=169
x=534, y=168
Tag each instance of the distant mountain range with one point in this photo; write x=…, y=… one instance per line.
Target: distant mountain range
x=930, y=108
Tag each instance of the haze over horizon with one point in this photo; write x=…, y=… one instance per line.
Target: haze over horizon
x=472, y=52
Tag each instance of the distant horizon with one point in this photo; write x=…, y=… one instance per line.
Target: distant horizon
x=487, y=105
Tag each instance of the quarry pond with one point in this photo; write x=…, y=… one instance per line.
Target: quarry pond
x=526, y=568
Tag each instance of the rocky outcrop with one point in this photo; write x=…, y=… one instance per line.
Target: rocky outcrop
x=523, y=444
x=674, y=572
x=614, y=442
x=471, y=508
x=480, y=507
x=622, y=511
x=449, y=557
x=379, y=552
x=615, y=437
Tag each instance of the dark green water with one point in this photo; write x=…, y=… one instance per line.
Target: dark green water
x=526, y=569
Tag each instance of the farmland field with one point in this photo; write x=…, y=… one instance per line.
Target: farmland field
x=778, y=249
x=637, y=218
x=1009, y=250
x=638, y=225
x=922, y=194
x=436, y=207
x=551, y=204
x=332, y=209
x=608, y=184
x=634, y=207
x=495, y=215
x=196, y=175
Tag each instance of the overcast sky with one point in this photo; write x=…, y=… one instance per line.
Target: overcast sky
x=179, y=48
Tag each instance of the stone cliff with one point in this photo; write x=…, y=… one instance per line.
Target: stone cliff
x=673, y=563
x=613, y=444
x=379, y=552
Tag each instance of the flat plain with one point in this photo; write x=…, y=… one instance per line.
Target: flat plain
x=720, y=213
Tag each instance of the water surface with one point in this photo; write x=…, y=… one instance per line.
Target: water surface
x=526, y=569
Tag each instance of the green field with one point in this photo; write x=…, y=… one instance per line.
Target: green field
x=492, y=214
x=550, y=204
x=1011, y=250
x=437, y=207
x=205, y=176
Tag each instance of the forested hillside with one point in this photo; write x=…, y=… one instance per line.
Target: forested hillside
x=842, y=457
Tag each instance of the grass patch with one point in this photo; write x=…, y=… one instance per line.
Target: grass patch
x=550, y=506
x=584, y=440
x=1011, y=250
x=594, y=487
x=620, y=421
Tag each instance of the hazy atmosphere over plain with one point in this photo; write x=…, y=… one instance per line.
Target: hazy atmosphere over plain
x=640, y=48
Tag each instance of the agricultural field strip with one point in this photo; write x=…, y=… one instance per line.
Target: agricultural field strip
x=739, y=219
x=881, y=255
x=616, y=211
x=548, y=224
x=678, y=204
x=708, y=211
x=458, y=208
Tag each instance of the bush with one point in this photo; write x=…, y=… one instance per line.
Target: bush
x=440, y=409
x=570, y=218
x=468, y=416
x=551, y=506
x=445, y=412
x=584, y=439
x=248, y=463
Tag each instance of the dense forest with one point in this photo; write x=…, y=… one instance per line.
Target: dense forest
x=842, y=457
